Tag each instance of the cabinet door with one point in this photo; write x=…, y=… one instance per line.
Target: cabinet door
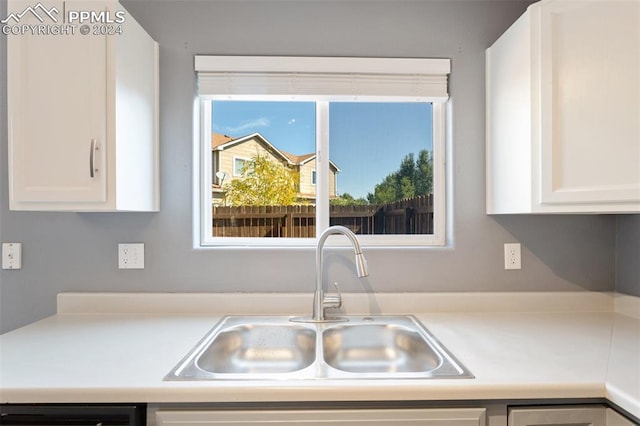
x=57, y=107
x=551, y=416
x=615, y=419
x=422, y=417
x=590, y=102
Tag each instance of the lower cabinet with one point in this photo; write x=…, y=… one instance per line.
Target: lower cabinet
x=404, y=417
x=615, y=419
x=573, y=415
x=490, y=413
x=558, y=416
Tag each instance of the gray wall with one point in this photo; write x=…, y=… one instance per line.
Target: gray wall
x=628, y=254
x=78, y=252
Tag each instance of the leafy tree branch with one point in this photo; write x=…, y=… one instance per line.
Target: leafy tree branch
x=263, y=183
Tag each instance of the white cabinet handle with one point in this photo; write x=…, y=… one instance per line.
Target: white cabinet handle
x=92, y=157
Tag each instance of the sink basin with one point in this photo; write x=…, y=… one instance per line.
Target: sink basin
x=249, y=348
x=378, y=347
x=387, y=347
x=262, y=348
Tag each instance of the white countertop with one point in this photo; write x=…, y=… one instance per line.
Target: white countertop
x=119, y=347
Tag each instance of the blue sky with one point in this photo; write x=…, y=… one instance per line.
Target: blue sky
x=367, y=140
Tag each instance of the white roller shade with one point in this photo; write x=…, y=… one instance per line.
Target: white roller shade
x=322, y=76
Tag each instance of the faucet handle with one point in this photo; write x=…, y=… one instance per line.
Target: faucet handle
x=333, y=300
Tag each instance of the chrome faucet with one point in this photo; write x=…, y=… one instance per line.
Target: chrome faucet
x=322, y=301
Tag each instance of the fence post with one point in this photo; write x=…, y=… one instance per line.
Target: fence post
x=378, y=221
x=408, y=219
x=288, y=223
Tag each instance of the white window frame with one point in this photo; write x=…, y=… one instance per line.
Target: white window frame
x=245, y=160
x=202, y=135
x=314, y=177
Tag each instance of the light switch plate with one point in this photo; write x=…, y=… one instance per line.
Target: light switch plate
x=131, y=256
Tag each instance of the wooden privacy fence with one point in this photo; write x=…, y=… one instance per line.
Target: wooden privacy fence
x=409, y=216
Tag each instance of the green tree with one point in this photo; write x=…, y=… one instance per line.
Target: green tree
x=407, y=188
x=384, y=192
x=413, y=178
x=347, y=199
x=263, y=183
x=407, y=168
x=424, y=173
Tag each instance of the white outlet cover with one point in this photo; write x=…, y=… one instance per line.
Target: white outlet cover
x=512, y=256
x=131, y=256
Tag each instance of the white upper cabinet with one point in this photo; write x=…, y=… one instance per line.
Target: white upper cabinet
x=82, y=109
x=563, y=110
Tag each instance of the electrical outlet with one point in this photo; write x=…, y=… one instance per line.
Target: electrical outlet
x=512, y=256
x=11, y=255
x=131, y=256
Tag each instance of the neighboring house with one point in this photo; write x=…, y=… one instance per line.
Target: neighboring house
x=229, y=155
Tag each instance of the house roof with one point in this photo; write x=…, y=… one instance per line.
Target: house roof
x=218, y=139
x=303, y=159
x=220, y=142
x=299, y=159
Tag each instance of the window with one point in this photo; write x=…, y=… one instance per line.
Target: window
x=281, y=131
x=240, y=165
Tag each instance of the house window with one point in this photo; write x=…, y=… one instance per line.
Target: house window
x=240, y=165
x=386, y=142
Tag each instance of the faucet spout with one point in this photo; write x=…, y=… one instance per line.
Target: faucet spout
x=361, y=266
x=320, y=302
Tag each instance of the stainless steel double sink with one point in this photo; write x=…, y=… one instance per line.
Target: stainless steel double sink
x=275, y=348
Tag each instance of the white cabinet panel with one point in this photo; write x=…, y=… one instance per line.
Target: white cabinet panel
x=563, y=110
x=590, y=102
x=82, y=111
x=615, y=419
x=558, y=416
x=423, y=417
x=58, y=108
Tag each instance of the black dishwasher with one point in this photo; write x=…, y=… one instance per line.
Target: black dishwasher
x=72, y=414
